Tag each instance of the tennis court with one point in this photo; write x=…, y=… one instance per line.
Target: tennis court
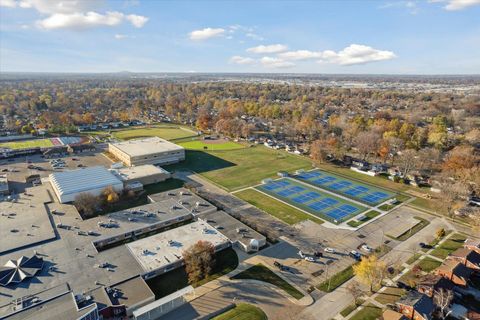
x=318, y=203
x=358, y=191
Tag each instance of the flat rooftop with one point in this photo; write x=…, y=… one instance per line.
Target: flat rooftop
x=138, y=172
x=146, y=146
x=230, y=227
x=167, y=247
x=73, y=181
x=130, y=292
x=25, y=222
x=186, y=199
x=137, y=217
x=61, y=306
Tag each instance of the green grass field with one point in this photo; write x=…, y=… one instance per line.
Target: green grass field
x=428, y=264
x=336, y=280
x=262, y=273
x=448, y=246
x=369, y=312
x=201, y=145
x=240, y=168
x=165, y=132
x=275, y=208
x=243, y=311
x=368, y=216
x=42, y=143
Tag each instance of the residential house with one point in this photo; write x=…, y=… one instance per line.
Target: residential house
x=430, y=283
x=469, y=258
x=472, y=244
x=416, y=306
x=454, y=271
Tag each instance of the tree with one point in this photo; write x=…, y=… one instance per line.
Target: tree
x=407, y=161
x=370, y=271
x=204, y=119
x=440, y=233
x=366, y=143
x=111, y=196
x=356, y=291
x=199, y=260
x=442, y=299
x=452, y=192
x=318, y=151
x=86, y=204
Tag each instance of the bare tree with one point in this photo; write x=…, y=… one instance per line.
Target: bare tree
x=86, y=204
x=199, y=260
x=366, y=143
x=442, y=299
x=407, y=161
x=356, y=291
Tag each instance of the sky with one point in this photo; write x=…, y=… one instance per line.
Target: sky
x=341, y=37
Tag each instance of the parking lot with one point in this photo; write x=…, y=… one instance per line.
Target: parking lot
x=19, y=168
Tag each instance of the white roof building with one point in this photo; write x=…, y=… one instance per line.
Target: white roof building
x=68, y=184
x=153, y=150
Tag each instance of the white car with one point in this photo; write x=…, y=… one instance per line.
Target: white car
x=366, y=248
x=309, y=259
x=329, y=250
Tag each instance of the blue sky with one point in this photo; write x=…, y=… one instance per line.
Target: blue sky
x=391, y=37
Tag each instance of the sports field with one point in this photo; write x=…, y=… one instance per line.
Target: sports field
x=205, y=145
x=240, y=168
x=42, y=143
x=165, y=132
x=320, y=204
x=355, y=190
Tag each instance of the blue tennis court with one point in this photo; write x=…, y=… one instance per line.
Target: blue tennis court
x=343, y=186
x=316, y=202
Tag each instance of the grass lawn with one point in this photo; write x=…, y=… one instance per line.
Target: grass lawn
x=42, y=143
x=165, y=132
x=428, y=264
x=414, y=258
x=167, y=283
x=428, y=204
x=448, y=246
x=422, y=224
x=202, y=145
x=369, y=312
x=240, y=168
x=262, y=273
x=390, y=295
x=275, y=208
x=336, y=280
x=369, y=215
x=243, y=311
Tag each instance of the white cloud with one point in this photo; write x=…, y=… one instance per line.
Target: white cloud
x=81, y=20
x=273, y=48
x=241, y=60
x=454, y=5
x=300, y=55
x=411, y=6
x=76, y=14
x=120, y=36
x=271, y=62
x=8, y=3
x=356, y=54
x=206, y=33
x=254, y=36
x=61, y=6
x=136, y=20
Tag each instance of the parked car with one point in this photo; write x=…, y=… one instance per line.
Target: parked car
x=355, y=255
x=318, y=254
x=422, y=245
x=309, y=259
x=329, y=250
x=366, y=248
